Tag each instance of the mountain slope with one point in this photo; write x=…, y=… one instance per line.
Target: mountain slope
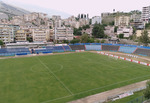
x=35, y=8
x=11, y=10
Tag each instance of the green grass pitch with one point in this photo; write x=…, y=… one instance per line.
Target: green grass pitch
x=63, y=78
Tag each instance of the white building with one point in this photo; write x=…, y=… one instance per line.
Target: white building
x=103, y=15
x=96, y=19
x=127, y=31
x=21, y=36
x=63, y=33
x=72, y=22
x=56, y=17
x=6, y=33
x=146, y=14
x=109, y=31
x=122, y=20
x=40, y=34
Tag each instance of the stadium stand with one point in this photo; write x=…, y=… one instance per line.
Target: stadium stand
x=77, y=47
x=140, y=50
x=110, y=48
x=55, y=48
x=37, y=51
x=143, y=52
x=58, y=49
x=14, y=51
x=67, y=48
x=93, y=47
x=126, y=49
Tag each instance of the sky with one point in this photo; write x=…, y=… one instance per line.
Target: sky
x=74, y=7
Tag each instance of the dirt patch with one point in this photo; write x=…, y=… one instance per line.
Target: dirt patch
x=104, y=95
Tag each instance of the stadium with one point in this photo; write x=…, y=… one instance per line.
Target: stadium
x=67, y=73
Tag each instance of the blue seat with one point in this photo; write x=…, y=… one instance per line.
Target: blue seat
x=67, y=48
x=93, y=47
x=126, y=49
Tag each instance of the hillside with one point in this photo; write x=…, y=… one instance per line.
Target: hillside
x=10, y=10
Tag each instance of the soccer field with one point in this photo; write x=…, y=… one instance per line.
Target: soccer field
x=65, y=77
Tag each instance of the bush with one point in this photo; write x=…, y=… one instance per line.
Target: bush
x=1, y=42
x=103, y=41
x=65, y=41
x=74, y=41
x=97, y=41
x=121, y=36
x=90, y=40
x=147, y=90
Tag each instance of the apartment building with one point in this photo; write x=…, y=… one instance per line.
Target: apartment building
x=122, y=20
x=96, y=19
x=6, y=33
x=63, y=33
x=21, y=36
x=103, y=15
x=34, y=15
x=56, y=17
x=127, y=31
x=40, y=34
x=71, y=22
x=109, y=31
x=88, y=31
x=146, y=14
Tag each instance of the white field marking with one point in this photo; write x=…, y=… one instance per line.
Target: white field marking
x=61, y=68
x=35, y=70
x=99, y=87
x=49, y=70
x=94, y=89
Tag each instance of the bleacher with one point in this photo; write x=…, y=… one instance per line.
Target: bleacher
x=140, y=50
x=143, y=52
x=77, y=47
x=44, y=51
x=58, y=49
x=67, y=48
x=55, y=48
x=14, y=51
x=126, y=49
x=93, y=47
x=110, y=48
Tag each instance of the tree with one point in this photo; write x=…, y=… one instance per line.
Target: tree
x=74, y=41
x=115, y=29
x=77, y=31
x=103, y=41
x=90, y=40
x=97, y=41
x=86, y=27
x=112, y=23
x=144, y=38
x=84, y=38
x=147, y=90
x=134, y=30
x=30, y=39
x=147, y=26
x=121, y=36
x=1, y=43
x=65, y=41
x=98, y=31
